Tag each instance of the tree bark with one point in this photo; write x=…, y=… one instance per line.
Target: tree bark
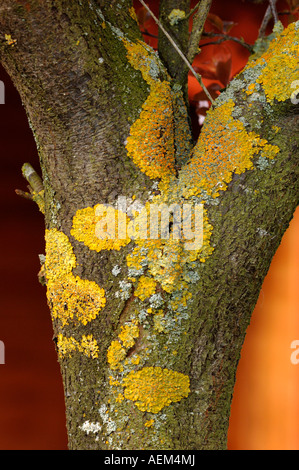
x=148, y=336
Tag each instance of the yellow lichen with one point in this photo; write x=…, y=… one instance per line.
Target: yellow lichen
x=119, y=398
x=75, y=299
x=128, y=334
x=280, y=64
x=224, y=148
x=159, y=321
x=135, y=359
x=89, y=346
x=100, y=228
x=117, y=350
x=71, y=298
x=60, y=259
x=38, y=198
x=146, y=287
x=250, y=89
x=133, y=14
x=153, y=388
x=176, y=15
x=115, y=354
x=9, y=40
x=68, y=346
x=151, y=140
x=149, y=423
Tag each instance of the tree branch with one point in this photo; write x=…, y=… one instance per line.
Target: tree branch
x=68, y=81
x=225, y=37
x=270, y=12
x=184, y=58
x=179, y=32
x=192, y=11
x=274, y=10
x=199, y=20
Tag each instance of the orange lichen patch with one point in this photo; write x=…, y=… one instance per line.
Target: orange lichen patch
x=9, y=40
x=75, y=299
x=60, y=258
x=250, y=89
x=135, y=359
x=116, y=353
x=113, y=381
x=269, y=151
x=68, y=346
x=166, y=258
x=282, y=55
x=224, y=147
x=118, y=349
x=145, y=288
x=133, y=14
x=143, y=58
x=166, y=264
x=153, y=388
x=89, y=346
x=119, y=398
x=151, y=140
x=128, y=334
x=149, y=423
x=100, y=228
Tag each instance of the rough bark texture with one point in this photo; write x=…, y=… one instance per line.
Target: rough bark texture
x=180, y=33
x=83, y=93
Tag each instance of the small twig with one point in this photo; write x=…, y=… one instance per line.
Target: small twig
x=35, y=187
x=32, y=177
x=270, y=12
x=192, y=11
x=146, y=33
x=197, y=28
x=23, y=194
x=225, y=37
x=184, y=58
x=266, y=19
x=274, y=11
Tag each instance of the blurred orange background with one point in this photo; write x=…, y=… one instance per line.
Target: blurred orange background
x=265, y=409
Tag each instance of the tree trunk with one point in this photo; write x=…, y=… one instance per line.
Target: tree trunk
x=148, y=331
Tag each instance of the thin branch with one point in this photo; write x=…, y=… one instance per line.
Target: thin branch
x=267, y=17
x=24, y=194
x=146, y=33
x=197, y=28
x=225, y=37
x=35, y=187
x=196, y=75
x=274, y=11
x=32, y=177
x=191, y=11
